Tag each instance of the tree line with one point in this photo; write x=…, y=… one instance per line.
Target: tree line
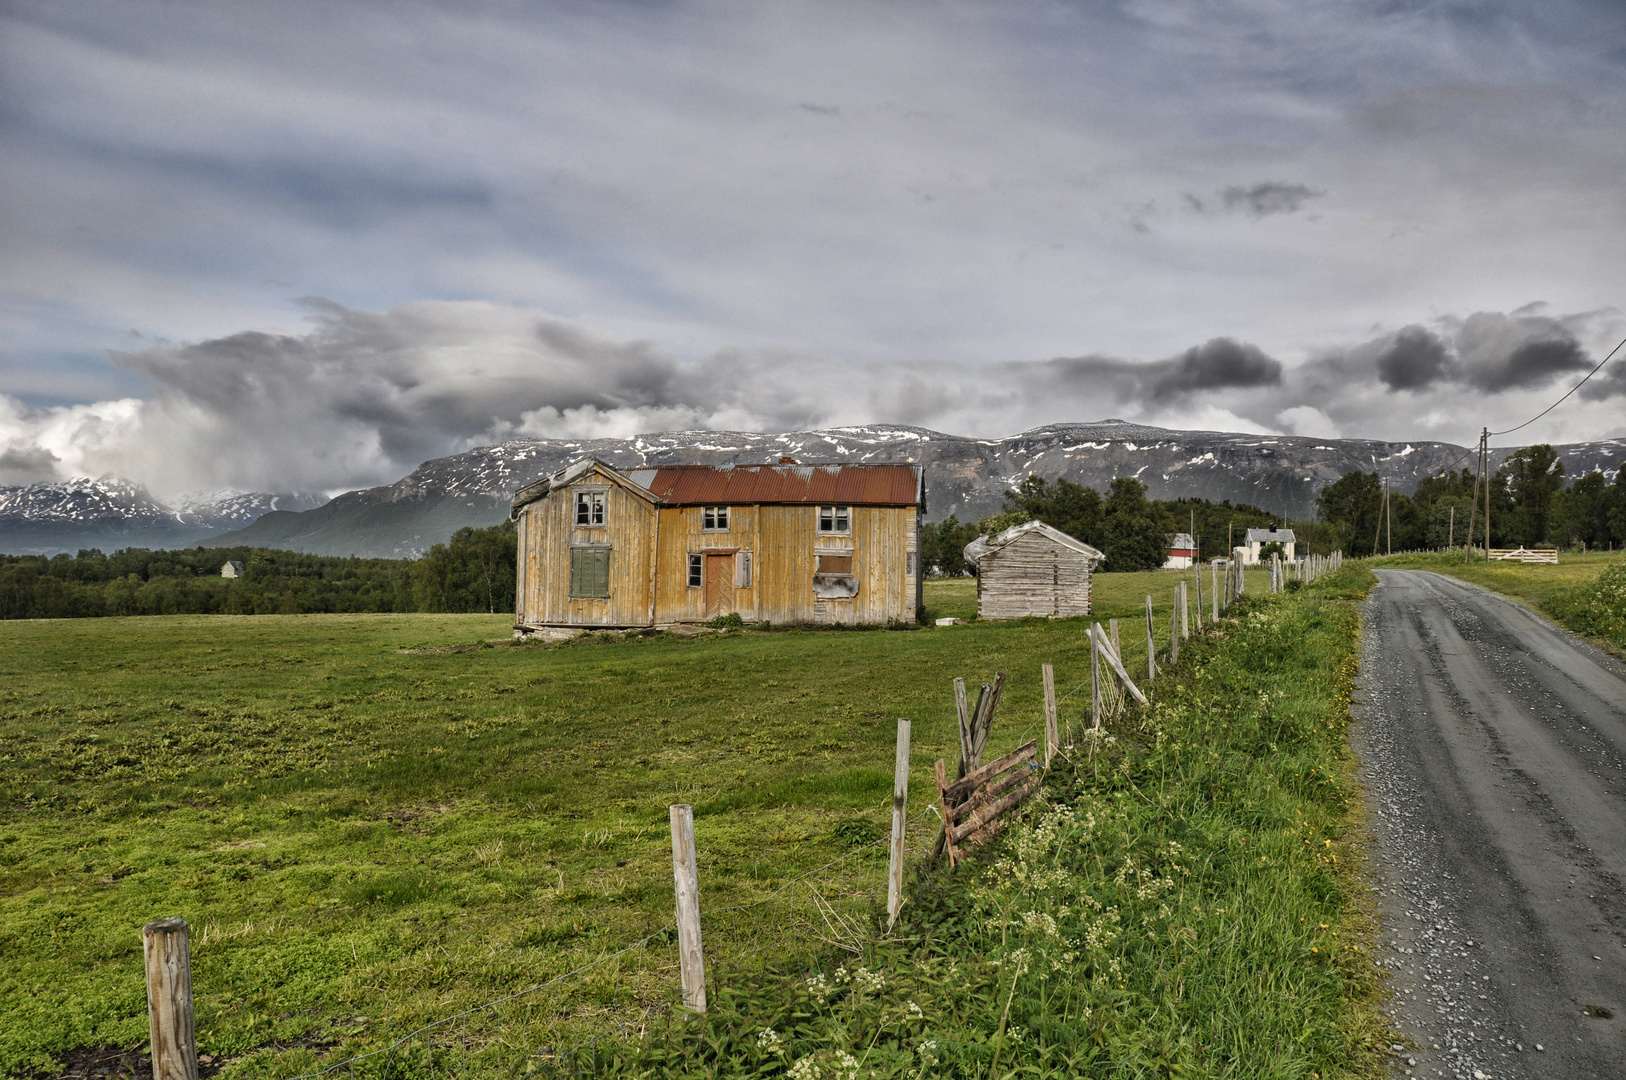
x=1131, y=530
x=1532, y=504
x=471, y=573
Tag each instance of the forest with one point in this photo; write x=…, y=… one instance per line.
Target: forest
x=474, y=572
x=1532, y=504
x=1131, y=530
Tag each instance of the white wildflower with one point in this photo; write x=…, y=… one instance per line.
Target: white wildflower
x=770, y=1041
x=805, y=1069
x=915, y=1011
x=846, y=1066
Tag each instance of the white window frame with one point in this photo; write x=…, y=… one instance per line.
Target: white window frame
x=597, y=503
x=714, y=519
x=836, y=520
x=697, y=570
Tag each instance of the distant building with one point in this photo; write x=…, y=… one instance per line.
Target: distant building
x=1258, y=538
x=1032, y=569
x=786, y=543
x=231, y=568
x=1182, y=552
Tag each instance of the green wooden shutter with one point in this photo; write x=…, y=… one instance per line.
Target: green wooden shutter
x=576, y=561
x=601, y=572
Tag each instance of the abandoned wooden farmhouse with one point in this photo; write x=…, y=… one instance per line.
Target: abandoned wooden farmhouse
x=1032, y=569
x=787, y=543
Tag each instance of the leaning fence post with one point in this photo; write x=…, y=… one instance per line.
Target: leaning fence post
x=1095, y=682
x=686, y=879
x=1052, y=735
x=900, y=806
x=1185, y=613
x=168, y=956
x=1151, y=642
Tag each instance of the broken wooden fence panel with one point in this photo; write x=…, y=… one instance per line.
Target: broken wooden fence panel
x=977, y=800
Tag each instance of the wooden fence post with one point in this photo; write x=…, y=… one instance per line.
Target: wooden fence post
x=1095, y=682
x=900, y=807
x=1185, y=613
x=686, y=879
x=166, y=949
x=1151, y=642
x=1174, y=625
x=963, y=710
x=1052, y=734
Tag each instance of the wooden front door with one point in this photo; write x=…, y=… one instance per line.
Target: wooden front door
x=719, y=585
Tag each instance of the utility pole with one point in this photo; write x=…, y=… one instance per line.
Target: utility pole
x=1451, y=529
x=1377, y=531
x=1484, y=450
x=1388, y=521
x=1473, y=509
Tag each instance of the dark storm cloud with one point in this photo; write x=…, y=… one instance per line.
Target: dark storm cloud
x=25, y=465
x=1218, y=364
x=1262, y=200
x=1415, y=360
x=1511, y=352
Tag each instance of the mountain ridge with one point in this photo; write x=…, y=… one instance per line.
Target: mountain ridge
x=964, y=476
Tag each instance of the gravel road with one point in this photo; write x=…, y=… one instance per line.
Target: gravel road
x=1493, y=750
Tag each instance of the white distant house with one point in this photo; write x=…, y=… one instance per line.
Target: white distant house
x=1182, y=552
x=231, y=568
x=1032, y=570
x=1258, y=538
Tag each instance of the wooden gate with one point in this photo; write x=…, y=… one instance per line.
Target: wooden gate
x=719, y=585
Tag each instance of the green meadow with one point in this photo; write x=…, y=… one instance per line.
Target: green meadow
x=373, y=821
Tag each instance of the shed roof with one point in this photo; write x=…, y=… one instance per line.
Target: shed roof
x=1265, y=536
x=983, y=545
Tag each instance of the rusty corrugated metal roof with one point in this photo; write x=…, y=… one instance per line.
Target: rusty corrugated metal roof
x=852, y=485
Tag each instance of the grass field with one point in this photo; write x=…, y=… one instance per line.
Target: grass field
x=372, y=821
x=1556, y=590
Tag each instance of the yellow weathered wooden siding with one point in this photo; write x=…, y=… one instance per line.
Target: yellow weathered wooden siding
x=783, y=542
x=548, y=531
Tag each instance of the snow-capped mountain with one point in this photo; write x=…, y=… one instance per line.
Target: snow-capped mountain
x=111, y=513
x=967, y=477
x=964, y=476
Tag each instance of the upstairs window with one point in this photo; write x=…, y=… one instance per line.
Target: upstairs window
x=590, y=508
x=835, y=519
x=715, y=519
x=590, y=572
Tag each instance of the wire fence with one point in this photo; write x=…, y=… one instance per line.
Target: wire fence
x=614, y=998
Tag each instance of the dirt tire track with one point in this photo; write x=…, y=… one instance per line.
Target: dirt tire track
x=1493, y=750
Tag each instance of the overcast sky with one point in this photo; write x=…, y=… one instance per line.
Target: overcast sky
x=305, y=246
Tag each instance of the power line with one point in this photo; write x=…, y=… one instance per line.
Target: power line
x=1561, y=400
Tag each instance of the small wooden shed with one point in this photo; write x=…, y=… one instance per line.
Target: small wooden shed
x=231, y=568
x=1032, y=569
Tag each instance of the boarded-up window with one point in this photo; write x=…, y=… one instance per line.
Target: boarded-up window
x=697, y=571
x=742, y=570
x=835, y=564
x=911, y=564
x=590, y=571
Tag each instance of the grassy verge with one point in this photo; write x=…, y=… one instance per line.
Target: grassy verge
x=1181, y=901
x=1584, y=593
